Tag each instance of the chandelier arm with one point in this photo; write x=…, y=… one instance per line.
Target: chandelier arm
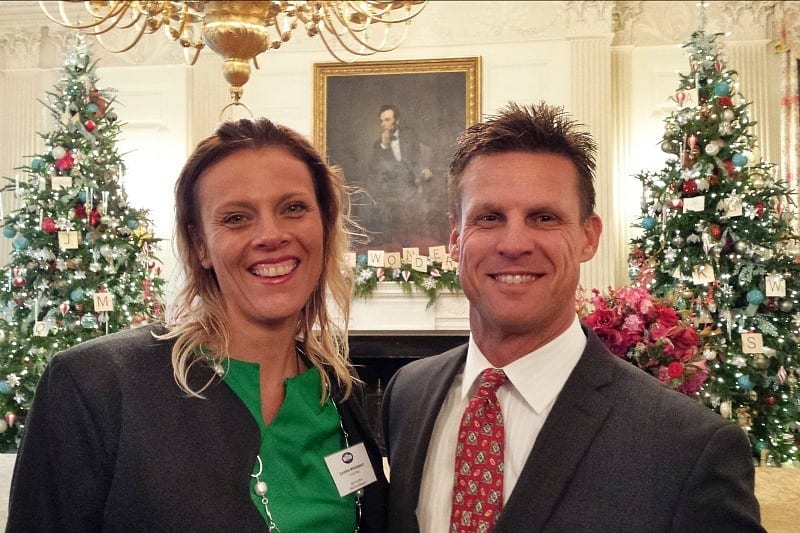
x=379, y=16
x=65, y=19
x=135, y=41
x=330, y=25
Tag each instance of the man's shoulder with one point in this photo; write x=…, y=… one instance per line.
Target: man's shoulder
x=432, y=366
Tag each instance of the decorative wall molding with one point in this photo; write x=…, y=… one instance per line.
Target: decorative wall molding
x=21, y=48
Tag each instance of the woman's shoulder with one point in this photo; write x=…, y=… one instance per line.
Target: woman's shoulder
x=123, y=349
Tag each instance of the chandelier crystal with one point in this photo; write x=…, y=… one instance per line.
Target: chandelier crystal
x=241, y=30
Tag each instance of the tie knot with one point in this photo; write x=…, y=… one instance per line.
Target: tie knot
x=491, y=380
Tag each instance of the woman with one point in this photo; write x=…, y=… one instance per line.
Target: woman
x=222, y=420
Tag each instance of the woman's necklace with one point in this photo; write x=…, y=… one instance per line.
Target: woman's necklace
x=260, y=487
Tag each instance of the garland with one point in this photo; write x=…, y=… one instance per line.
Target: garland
x=431, y=282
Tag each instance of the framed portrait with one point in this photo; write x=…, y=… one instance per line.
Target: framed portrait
x=392, y=126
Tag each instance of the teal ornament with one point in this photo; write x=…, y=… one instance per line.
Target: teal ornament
x=9, y=231
x=755, y=297
x=739, y=159
x=88, y=321
x=91, y=107
x=37, y=164
x=745, y=382
x=648, y=222
x=760, y=446
x=77, y=295
x=5, y=387
x=82, y=196
x=20, y=242
x=722, y=89
x=132, y=223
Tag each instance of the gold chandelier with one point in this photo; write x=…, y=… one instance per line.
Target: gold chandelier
x=241, y=30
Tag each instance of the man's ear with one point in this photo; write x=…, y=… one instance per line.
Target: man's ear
x=199, y=247
x=455, y=233
x=592, y=229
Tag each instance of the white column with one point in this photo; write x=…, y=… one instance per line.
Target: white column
x=753, y=61
x=626, y=188
x=592, y=104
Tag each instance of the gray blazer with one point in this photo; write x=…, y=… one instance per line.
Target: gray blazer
x=619, y=452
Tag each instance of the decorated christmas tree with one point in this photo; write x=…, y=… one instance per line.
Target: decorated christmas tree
x=82, y=263
x=717, y=237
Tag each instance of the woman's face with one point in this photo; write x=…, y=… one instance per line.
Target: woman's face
x=261, y=232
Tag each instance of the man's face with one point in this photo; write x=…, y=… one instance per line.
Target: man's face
x=388, y=122
x=519, y=242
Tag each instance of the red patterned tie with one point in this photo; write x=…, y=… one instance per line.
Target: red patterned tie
x=478, y=488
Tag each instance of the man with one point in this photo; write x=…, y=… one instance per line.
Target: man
x=586, y=441
x=400, y=168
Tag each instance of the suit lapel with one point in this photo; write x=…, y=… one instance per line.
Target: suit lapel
x=430, y=393
x=577, y=415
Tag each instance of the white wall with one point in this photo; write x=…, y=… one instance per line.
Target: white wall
x=612, y=64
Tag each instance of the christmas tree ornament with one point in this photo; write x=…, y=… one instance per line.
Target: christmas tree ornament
x=63, y=307
x=65, y=163
x=88, y=321
x=38, y=164
x=648, y=222
x=89, y=125
x=77, y=294
x=739, y=159
x=786, y=306
x=49, y=225
x=721, y=88
x=9, y=231
x=20, y=243
x=58, y=152
x=745, y=382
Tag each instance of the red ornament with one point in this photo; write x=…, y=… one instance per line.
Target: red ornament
x=676, y=203
x=689, y=186
x=80, y=211
x=769, y=400
x=89, y=125
x=49, y=225
x=725, y=101
x=716, y=231
x=94, y=218
x=11, y=419
x=729, y=166
x=760, y=210
x=18, y=281
x=718, y=66
x=65, y=163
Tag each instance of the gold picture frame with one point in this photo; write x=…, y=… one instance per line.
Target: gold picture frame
x=403, y=200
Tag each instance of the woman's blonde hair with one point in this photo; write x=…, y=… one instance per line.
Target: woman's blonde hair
x=197, y=319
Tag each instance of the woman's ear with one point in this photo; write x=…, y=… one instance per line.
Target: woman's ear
x=199, y=247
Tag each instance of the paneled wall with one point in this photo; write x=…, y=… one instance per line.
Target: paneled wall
x=613, y=65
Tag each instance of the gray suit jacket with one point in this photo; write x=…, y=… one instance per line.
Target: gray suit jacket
x=618, y=452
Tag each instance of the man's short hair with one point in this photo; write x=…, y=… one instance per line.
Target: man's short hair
x=390, y=107
x=538, y=128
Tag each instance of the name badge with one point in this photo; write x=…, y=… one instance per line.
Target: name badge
x=350, y=469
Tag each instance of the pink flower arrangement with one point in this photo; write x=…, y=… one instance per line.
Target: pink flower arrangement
x=649, y=333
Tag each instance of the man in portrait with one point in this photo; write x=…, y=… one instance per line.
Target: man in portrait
x=399, y=174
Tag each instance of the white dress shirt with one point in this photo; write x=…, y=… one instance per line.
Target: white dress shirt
x=534, y=382
x=395, y=145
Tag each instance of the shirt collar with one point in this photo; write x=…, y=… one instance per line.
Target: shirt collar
x=538, y=376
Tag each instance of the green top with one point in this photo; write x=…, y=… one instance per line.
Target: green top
x=302, y=494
